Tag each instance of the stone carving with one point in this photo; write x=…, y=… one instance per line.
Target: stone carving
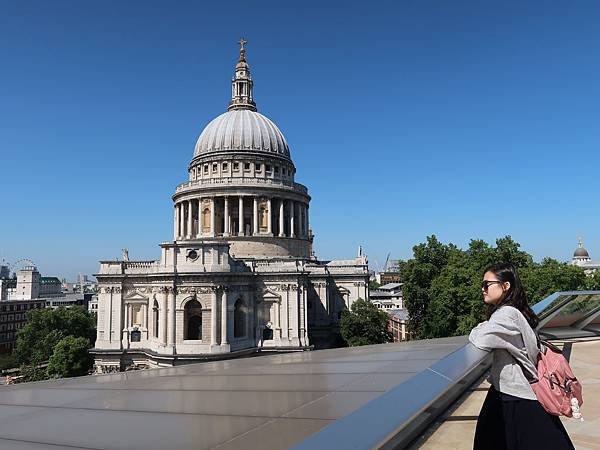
x=112, y=290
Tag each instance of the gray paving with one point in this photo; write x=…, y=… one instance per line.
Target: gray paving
x=255, y=403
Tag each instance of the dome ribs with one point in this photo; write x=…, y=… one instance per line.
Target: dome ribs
x=241, y=130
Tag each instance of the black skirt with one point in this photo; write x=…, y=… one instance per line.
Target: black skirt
x=513, y=423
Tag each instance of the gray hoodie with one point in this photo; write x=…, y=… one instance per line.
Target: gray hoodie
x=508, y=335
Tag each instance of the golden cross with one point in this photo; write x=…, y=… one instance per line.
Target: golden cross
x=242, y=42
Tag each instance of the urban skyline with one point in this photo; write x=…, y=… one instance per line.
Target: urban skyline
x=483, y=128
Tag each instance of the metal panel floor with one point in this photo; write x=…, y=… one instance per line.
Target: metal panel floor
x=270, y=401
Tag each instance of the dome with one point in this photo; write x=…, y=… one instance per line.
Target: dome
x=241, y=130
x=581, y=252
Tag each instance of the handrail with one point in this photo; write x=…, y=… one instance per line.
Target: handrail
x=397, y=417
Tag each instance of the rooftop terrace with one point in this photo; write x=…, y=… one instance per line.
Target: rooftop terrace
x=381, y=396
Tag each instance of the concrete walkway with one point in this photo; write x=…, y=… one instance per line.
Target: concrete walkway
x=455, y=430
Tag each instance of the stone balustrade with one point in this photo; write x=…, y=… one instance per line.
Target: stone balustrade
x=242, y=182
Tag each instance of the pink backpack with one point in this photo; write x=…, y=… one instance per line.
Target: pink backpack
x=557, y=388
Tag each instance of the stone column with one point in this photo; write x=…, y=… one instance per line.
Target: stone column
x=255, y=217
x=176, y=223
x=269, y=220
x=306, y=220
x=292, y=218
x=213, y=318
x=108, y=313
x=199, y=230
x=224, y=340
x=181, y=221
x=189, y=220
x=226, y=219
x=302, y=220
x=162, y=318
x=281, y=224
x=171, y=319
x=125, y=327
x=241, y=216
x=145, y=316
x=213, y=204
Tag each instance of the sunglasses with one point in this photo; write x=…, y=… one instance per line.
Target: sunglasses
x=486, y=284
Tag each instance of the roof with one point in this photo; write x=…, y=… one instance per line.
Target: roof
x=269, y=402
x=400, y=314
x=50, y=280
x=376, y=294
x=390, y=286
x=241, y=130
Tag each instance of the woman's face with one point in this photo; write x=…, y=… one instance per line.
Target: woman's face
x=492, y=289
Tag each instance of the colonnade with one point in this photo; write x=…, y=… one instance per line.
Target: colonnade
x=223, y=216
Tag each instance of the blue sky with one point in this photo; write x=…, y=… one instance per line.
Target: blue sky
x=404, y=118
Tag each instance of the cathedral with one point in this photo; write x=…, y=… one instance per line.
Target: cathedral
x=240, y=275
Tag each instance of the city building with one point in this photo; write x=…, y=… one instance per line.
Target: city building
x=240, y=274
x=13, y=316
x=388, y=296
x=582, y=258
x=397, y=324
x=390, y=273
x=29, y=290
x=93, y=304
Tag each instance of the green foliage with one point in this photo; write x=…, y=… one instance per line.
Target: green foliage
x=541, y=280
x=592, y=282
x=364, y=324
x=8, y=361
x=44, y=329
x=442, y=283
x=373, y=285
x=70, y=358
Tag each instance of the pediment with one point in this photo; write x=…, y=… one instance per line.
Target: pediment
x=135, y=296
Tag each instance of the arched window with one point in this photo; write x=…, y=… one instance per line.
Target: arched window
x=155, y=318
x=239, y=319
x=193, y=320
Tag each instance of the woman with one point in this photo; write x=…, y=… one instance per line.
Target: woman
x=511, y=417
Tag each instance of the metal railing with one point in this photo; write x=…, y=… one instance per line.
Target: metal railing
x=394, y=419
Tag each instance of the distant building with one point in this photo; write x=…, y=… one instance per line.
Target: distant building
x=581, y=258
x=93, y=304
x=68, y=300
x=388, y=296
x=397, y=322
x=13, y=316
x=390, y=274
x=29, y=290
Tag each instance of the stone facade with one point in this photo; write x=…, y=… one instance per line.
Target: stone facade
x=240, y=275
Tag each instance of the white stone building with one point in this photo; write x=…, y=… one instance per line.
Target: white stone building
x=239, y=275
x=581, y=258
x=388, y=296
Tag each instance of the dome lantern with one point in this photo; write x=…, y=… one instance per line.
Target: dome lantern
x=241, y=84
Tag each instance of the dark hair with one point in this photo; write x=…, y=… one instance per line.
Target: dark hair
x=515, y=296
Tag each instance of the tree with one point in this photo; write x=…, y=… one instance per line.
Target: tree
x=373, y=285
x=44, y=329
x=70, y=358
x=592, y=281
x=542, y=279
x=418, y=274
x=442, y=283
x=364, y=324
